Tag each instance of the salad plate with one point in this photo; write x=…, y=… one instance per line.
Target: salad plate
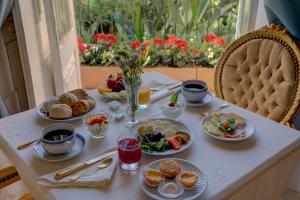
x=162, y=136
x=197, y=190
x=227, y=127
x=42, y=154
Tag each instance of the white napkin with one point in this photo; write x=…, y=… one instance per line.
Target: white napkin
x=156, y=96
x=98, y=178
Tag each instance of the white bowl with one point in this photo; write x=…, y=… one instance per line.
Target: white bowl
x=194, y=94
x=172, y=112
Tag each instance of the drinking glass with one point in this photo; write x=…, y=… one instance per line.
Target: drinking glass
x=129, y=150
x=144, y=98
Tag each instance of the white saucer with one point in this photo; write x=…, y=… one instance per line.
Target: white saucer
x=41, y=153
x=203, y=102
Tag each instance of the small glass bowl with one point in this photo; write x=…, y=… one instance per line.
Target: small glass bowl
x=172, y=112
x=97, y=130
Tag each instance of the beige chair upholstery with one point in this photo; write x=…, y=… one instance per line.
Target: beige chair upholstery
x=260, y=72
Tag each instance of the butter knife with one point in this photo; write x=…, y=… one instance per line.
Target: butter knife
x=82, y=165
x=178, y=84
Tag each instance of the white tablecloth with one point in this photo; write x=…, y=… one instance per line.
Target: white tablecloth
x=258, y=168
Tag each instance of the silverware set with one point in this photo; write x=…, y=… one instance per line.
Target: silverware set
x=172, y=85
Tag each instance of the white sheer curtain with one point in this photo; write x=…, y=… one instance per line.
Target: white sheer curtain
x=5, y=6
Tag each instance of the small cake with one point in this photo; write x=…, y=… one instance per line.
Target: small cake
x=60, y=111
x=169, y=168
x=187, y=179
x=80, y=107
x=68, y=98
x=153, y=177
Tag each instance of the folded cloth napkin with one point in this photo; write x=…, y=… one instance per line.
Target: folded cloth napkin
x=99, y=178
x=156, y=96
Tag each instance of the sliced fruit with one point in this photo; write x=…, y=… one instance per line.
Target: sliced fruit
x=174, y=141
x=103, y=90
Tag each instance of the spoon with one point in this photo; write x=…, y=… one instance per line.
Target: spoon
x=23, y=146
x=103, y=164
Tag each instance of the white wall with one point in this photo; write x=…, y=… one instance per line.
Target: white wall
x=35, y=51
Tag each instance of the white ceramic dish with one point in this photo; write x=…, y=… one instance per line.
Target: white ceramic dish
x=249, y=131
x=42, y=154
x=199, y=188
x=44, y=115
x=182, y=128
x=206, y=100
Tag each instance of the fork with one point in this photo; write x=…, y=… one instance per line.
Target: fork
x=161, y=85
x=214, y=109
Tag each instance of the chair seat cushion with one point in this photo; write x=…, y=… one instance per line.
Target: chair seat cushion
x=260, y=76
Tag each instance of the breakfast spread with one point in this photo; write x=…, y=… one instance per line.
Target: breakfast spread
x=225, y=125
x=71, y=104
x=161, y=135
x=114, y=88
x=170, y=178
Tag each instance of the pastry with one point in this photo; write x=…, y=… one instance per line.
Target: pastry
x=60, y=111
x=169, y=168
x=80, y=107
x=80, y=93
x=187, y=179
x=153, y=177
x=68, y=98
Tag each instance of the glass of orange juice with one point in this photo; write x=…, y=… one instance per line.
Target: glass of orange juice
x=144, y=97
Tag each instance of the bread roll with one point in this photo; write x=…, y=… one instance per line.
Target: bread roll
x=60, y=111
x=80, y=93
x=80, y=107
x=68, y=98
x=91, y=103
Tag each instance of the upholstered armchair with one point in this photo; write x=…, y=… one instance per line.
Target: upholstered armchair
x=260, y=72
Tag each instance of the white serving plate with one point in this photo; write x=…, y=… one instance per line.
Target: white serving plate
x=112, y=97
x=55, y=98
x=182, y=127
x=249, y=131
x=206, y=100
x=194, y=193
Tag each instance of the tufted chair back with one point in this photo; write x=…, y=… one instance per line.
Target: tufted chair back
x=260, y=72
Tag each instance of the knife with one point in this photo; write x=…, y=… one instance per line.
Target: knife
x=82, y=165
x=174, y=86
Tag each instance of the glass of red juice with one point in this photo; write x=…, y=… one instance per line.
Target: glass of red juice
x=130, y=153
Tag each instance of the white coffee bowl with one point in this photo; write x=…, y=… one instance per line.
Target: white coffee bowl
x=60, y=146
x=194, y=94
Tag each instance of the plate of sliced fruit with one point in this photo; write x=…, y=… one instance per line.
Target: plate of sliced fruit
x=227, y=127
x=163, y=136
x=113, y=89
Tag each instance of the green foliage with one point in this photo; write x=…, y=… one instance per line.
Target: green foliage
x=132, y=20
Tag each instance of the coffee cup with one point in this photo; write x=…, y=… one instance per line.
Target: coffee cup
x=58, y=138
x=194, y=90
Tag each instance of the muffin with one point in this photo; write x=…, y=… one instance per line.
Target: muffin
x=153, y=177
x=68, y=98
x=169, y=168
x=187, y=179
x=60, y=111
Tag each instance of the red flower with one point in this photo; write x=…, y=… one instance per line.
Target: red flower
x=219, y=41
x=196, y=52
x=158, y=42
x=80, y=40
x=171, y=40
x=147, y=43
x=112, y=39
x=106, y=38
x=135, y=44
x=88, y=46
x=181, y=44
x=81, y=47
x=210, y=37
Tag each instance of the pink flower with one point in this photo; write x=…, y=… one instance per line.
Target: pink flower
x=158, y=42
x=147, y=43
x=135, y=44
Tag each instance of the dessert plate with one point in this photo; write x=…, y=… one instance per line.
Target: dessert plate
x=41, y=153
x=203, y=102
x=182, y=128
x=194, y=193
x=42, y=113
x=249, y=130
